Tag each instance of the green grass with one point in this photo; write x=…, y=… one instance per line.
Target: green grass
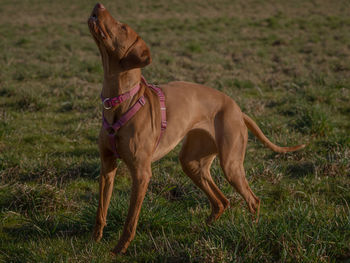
x=286, y=64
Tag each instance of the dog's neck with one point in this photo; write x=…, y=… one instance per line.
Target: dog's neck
x=120, y=82
x=116, y=81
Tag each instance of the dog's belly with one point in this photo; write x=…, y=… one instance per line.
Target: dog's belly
x=168, y=143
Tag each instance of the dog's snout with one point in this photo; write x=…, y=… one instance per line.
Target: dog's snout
x=99, y=6
x=96, y=12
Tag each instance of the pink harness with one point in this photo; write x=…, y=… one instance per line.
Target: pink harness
x=109, y=103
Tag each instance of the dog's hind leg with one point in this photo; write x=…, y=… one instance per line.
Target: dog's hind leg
x=232, y=136
x=108, y=170
x=196, y=156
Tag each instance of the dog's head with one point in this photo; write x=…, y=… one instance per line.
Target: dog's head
x=118, y=40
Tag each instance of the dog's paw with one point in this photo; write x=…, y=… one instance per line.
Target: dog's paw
x=118, y=250
x=254, y=208
x=97, y=234
x=216, y=213
x=213, y=217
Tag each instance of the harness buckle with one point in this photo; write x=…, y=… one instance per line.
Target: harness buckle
x=163, y=125
x=104, y=104
x=142, y=100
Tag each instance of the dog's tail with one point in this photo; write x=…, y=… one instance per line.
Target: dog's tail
x=253, y=127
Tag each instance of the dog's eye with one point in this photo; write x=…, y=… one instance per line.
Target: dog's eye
x=124, y=28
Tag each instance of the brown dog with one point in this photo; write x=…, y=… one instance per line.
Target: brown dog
x=210, y=123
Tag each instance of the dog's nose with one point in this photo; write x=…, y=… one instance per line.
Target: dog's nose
x=99, y=6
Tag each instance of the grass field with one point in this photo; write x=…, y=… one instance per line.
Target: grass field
x=286, y=63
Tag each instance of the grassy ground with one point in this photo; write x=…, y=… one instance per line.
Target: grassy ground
x=286, y=64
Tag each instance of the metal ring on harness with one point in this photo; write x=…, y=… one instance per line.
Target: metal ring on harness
x=104, y=106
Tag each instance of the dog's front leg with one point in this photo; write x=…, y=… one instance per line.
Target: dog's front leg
x=140, y=179
x=108, y=170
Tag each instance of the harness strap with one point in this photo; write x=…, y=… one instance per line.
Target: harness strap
x=112, y=129
x=112, y=102
x=109, y=103
x=161, y=97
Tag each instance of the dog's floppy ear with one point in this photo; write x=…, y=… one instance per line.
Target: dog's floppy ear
x=138, y=56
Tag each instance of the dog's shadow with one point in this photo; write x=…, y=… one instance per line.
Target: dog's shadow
x=301, y=169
